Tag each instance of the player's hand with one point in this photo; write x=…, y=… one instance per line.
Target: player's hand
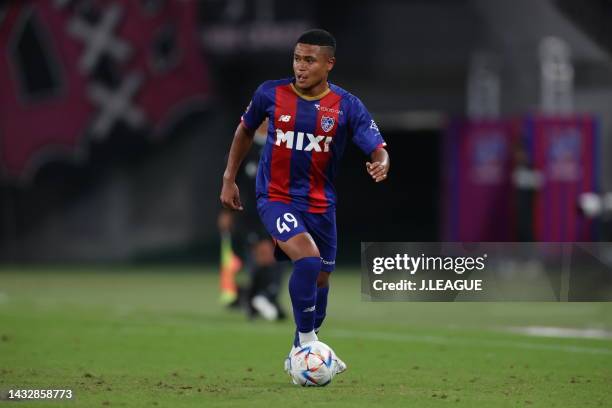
x=230, y=196
x=377, y=170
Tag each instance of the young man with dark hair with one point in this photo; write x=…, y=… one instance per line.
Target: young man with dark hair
x=310, y=122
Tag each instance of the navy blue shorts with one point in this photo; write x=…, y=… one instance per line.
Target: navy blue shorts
x=283, y=221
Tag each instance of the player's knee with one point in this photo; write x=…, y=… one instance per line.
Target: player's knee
x=301, y=246
x=309, y=248
x=323, y=279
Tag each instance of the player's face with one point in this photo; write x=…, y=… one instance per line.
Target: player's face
x=311, y=65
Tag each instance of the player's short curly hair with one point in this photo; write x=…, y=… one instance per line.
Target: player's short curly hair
x=320, y=37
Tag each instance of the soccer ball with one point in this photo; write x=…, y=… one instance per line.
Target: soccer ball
x=311, y=365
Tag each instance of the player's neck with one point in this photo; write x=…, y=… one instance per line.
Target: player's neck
x=315, y=92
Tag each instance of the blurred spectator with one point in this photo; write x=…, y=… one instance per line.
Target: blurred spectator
x=266, y=280
x=230, y=263
x=527, y=182
x=259, y=297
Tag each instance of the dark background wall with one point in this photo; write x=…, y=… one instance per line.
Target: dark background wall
x=134, y=197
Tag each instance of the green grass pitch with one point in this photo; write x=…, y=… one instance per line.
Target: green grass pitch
x=156, y=337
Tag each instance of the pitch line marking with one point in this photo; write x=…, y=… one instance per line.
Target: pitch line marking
x=467, y=342
x=561, y=332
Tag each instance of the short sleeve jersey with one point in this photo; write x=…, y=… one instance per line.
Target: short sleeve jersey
x=305, y=142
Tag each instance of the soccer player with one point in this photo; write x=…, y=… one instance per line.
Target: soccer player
x=310, y=123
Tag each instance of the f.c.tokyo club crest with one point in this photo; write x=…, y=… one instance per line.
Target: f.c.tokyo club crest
x=327, y=123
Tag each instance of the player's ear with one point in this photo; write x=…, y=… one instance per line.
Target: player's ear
x=331, y=61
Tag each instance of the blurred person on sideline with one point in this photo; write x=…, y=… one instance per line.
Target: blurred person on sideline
x=249, y=243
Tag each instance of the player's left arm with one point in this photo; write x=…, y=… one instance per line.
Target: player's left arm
x=367, y=136
x=379, y=167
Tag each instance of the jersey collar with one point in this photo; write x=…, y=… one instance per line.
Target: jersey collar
x=310, y=98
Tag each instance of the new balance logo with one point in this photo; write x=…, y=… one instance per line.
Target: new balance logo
x=313, y=141
x=309, y=309
x=284, y=118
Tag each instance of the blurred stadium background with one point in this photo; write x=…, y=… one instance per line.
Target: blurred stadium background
x=116, y=118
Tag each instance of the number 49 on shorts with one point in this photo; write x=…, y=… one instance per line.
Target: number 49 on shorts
x=282, y=223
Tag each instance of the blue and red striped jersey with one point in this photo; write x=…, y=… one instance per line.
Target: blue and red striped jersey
x=306, y=140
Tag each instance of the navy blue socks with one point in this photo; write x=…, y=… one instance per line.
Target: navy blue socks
x=303, y=293
x=321, y=307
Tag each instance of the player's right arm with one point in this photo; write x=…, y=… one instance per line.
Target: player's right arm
x=243, y=139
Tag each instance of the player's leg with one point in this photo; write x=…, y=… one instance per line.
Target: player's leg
x=286, y=225
x=322, y=294
x=323, y=230
x=304, y=254
x=322, y=227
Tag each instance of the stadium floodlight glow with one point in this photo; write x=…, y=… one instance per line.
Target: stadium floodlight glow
x=590, y=204
x=595, y=205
